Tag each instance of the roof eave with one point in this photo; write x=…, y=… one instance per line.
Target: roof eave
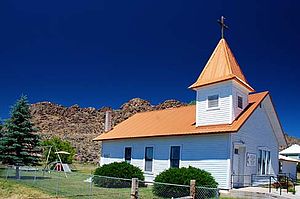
x=196, y=85
x=164, y=135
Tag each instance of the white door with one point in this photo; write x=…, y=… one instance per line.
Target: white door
x=238, y=166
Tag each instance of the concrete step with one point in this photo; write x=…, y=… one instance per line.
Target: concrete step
x=257, y=192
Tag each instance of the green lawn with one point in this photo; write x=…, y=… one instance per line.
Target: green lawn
x=55, y=184
x=15, y=190
x=86, y=168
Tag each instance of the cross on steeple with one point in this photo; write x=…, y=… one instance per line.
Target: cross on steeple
x=223, y=25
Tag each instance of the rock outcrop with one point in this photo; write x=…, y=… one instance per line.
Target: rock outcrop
x=80, y=125
x=292, y=140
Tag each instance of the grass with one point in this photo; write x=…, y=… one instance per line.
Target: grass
x=19, y=190
x=16, y=190
x=86, y=168
x=55, y=184
x=12, y=190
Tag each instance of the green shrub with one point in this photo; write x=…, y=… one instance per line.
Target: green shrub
x=59, y=145
x=117, y=170
x=183, y=176
x=292, y=190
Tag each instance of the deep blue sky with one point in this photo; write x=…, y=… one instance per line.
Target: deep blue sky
x=103, y=53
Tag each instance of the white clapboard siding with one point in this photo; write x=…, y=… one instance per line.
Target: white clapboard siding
x=290, y=168
x=238, y=90
x=228, y=108
x=257, y=133
x=208, y=152
x=274, y=120
x=220, y=115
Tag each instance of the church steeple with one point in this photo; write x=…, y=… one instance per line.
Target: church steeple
x=222, y=88
x=221, y=66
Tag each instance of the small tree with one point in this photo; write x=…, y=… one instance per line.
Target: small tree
x=19, y=144
x=58, y=144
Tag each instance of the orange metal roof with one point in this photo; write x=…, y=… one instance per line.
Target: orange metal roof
x=221, y=66
x=175, y=122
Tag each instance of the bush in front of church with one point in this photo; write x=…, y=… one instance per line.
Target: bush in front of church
x=117, y=175
x=182, y=176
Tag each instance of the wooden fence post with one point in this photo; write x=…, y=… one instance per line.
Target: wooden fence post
x=193, y=189
x=134, y=188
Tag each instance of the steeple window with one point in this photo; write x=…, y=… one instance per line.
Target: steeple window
x=240, y=102
x=213, y=101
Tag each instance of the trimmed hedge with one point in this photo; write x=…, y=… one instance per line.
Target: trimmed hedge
x=183, y=176
x=117, y=170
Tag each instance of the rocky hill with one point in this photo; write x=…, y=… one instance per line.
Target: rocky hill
x=292, y=140
x=80, y=125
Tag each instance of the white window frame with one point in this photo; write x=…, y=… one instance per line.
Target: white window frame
x=180, y=154
x=267, y=159
x=131, y=153
x=144, y=167
x=237, y=101
x=207, y=102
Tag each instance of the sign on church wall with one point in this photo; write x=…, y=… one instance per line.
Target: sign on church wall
x=251, y=160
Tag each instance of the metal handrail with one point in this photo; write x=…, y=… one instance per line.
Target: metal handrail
x=293, y=182
x=277, y=181
x=282, y=184
x=288, y=179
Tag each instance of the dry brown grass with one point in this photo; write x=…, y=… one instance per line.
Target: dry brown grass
x=11, y=190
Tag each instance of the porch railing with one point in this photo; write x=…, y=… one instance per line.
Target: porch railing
x=282, y=181
x=279, y=182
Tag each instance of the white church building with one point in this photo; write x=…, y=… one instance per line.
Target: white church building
x=232, y=132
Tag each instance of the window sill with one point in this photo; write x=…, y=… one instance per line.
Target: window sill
x=148, y=173
x=213, y=109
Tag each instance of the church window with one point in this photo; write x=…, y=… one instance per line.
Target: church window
x=264, y=162
x=236, y=151
x=128, y=154
x=213, y=101
x=240, y=102
x=175, y=156
x=148, y=158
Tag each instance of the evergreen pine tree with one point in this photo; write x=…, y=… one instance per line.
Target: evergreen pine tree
x=19, y=144
x=1, y=132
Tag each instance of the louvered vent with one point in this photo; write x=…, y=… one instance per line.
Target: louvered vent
x=213, y=101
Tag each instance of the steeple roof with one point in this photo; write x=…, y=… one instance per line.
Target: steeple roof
x=221, y=66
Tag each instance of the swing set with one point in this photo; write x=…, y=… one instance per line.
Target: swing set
x=57, y=165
